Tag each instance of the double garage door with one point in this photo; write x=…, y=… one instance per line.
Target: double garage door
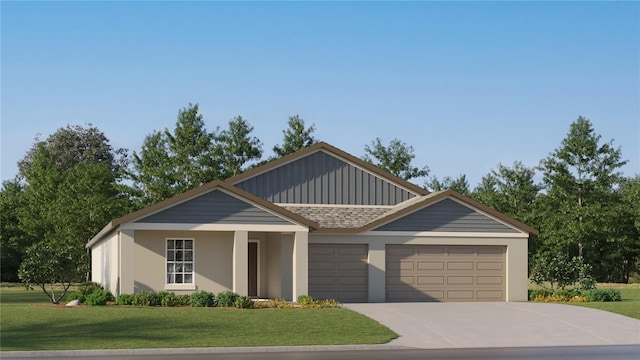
x=445, y=273
x=413, y=273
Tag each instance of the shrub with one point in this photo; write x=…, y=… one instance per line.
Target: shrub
x=183, y=300
x=75, y=296
x=146, y=298
x=306, y=300
x=603, y=295
x=168, y=299
x=202, y=299
x=88, y=287
x=124, y=299
x=243, y=302
x=99, y=297
x=227, y=298
x=539, y=293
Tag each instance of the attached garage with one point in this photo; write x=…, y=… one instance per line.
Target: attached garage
x=445, y=273
x=338, y=271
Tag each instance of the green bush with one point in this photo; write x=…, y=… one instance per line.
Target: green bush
x=538, y=293
x=243, y=302
x=75, y=296
x=99, y=297
x=88, y=287
x=124, y=299
x=306, y=300
x=168, y=299
x=603, y=295
x=183, y=300
x=146, y=298
x=202, y=299
x=567, y=294
x=227, y=298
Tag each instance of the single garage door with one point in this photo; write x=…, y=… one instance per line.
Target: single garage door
x=445, y=273
x=338, y=271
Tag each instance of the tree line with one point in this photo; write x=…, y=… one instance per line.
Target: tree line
x=72, y=183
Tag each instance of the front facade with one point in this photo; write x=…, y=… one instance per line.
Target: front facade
x=319, y=222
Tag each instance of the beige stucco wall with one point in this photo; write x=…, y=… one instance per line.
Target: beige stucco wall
x=516, y=256
x=212, y=260
x=104, y=263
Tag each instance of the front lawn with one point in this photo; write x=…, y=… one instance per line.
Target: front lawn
x=629, y=306
x=29, y=322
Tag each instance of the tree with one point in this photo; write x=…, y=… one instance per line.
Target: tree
x=75, y=144
x=54, y=267
x=296, y=137
x=171, y=163
x=579, y=179
x=66, y=201
x=510, y=190
x=459, y=184
x=13, y=241
x=620, y=253
x=236, y=147
x=395, y=159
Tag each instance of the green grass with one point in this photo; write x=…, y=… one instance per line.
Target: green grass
x=29, y=322
x=629, y=306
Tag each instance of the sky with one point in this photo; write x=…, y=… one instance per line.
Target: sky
x=468, y=85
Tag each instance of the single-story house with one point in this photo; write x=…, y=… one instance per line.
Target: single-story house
x=318, y=222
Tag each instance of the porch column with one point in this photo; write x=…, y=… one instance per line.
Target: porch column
x=240, y=262
x=300, y=264
x=125, y=267
x=377, y=271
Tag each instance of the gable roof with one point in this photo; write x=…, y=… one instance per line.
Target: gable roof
x=190, y=194
x=323, y=146
x=413, y=205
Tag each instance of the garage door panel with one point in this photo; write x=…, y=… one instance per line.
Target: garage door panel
x=491, y=295
x=338, y=271
x=351, y=265
x=445, y=273
x=490, y=266
x=487, y=251
x=457, y=280
x=322, y=280
x=431, y=295
x=430, y=265
x=490, y=280
x=461, y=250
x=321, y=266
x=431, y=250
x=400, y=251
x=430, y=280
x=460, y=295
x=459, y=266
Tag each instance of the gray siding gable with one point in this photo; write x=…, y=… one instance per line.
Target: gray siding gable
x=214, y=207
x=321, y=178
x=447, y=216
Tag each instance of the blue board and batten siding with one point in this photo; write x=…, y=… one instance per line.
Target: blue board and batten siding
x=320, y=178
x=447, y=215
x=214, y=207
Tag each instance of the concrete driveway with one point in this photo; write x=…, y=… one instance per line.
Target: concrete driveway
x=473, y=325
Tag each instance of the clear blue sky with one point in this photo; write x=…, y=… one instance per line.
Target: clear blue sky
x=467, y=84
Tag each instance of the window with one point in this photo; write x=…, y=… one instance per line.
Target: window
x=179, y=261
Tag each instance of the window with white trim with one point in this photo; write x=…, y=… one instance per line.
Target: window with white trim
x=179, y=261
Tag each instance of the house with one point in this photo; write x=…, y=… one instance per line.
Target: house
x=318, y=222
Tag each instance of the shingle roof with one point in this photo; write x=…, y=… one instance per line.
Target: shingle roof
x=338, y=217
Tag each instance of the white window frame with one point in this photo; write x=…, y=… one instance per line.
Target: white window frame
x=180, y=286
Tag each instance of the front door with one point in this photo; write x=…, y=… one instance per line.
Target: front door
x=253, y=269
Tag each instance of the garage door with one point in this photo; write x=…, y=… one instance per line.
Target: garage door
x=338, y=271
x=445, y=273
